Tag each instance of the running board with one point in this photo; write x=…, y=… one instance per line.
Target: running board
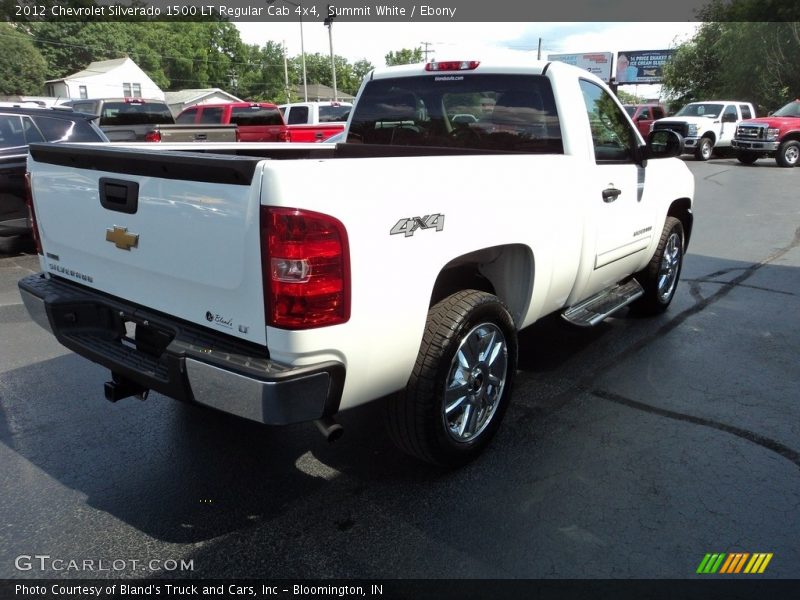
x=593, y=310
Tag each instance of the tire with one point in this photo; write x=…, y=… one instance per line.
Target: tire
x=9, y=245
x=788, y=154
x=660, y=278
x=469, y=348
x=747, y=158
x=705, y=148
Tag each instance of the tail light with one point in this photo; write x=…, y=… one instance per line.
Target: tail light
x=238, y=135
x=285, y=135
x=32, y=214
x=152, y=136
x=306, y=269
x=452, y=65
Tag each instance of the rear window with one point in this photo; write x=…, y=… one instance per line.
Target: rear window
x=333, y=114
x=129, y=113
x=63, y=130
x=503, y=113
x=256, y=115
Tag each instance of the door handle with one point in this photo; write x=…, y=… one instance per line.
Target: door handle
x=610, y=194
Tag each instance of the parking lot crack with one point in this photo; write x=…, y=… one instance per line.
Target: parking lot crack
x=750, y=436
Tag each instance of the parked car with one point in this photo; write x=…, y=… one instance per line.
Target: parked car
x=257, y=121
x=777, y=135
x=707, y=127
x=315, y=121
x=125, y=119
x=18, y=128
x=643, y=115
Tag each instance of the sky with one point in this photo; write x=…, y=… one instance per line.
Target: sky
x=472, y=41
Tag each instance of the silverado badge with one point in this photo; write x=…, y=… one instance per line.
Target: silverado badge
x=120, y=237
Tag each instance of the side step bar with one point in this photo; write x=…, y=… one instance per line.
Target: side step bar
x=593, y=310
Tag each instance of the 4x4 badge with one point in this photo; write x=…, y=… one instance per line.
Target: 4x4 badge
x=120, y=237
x=409, y=226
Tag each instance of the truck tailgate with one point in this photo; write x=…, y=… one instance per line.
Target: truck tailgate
x=176, y=233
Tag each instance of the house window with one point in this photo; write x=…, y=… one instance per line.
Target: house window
x=83, y=93
x=137, y=90
x=126, y=90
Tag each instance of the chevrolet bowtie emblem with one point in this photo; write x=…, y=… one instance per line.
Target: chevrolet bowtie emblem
x=122, y=239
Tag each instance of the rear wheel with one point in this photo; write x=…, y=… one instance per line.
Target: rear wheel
x=788, y=153
x=660, y=278
x=705, y=147
x=461, y=383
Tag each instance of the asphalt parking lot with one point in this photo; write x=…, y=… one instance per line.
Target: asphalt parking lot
x=630, y=450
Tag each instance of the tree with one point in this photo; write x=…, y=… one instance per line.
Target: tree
x=404, y=57
x=22, y=70
x=745, y=49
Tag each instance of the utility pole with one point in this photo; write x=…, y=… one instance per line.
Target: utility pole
x=329, y=22
x=426, y=51
x=539, y=53
x=286, y=73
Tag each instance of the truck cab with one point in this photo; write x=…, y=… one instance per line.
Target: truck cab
x=315, y=121
x=707, y=126
x=643, y=115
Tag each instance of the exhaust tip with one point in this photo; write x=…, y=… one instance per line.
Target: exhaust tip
x=330, y=429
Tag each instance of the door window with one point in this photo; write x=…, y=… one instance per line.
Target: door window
x=612, y=136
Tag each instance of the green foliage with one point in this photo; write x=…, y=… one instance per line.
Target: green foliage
x=175, y=55
x=404, y=57
x=739, y=54
x=22, y=69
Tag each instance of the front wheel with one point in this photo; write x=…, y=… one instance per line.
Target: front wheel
x=788, y=153
x=705, y=148
x=461, y=383
x=660, y=278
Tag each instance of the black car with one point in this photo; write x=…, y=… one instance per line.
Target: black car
x=18, y=128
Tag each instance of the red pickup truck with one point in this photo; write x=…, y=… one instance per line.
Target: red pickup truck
x=257, y=121
x=643, y=115
x=777, y=135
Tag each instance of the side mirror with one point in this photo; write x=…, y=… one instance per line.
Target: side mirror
x=663, y=143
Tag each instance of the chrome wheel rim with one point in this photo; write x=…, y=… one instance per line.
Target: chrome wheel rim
x=475, y=382
x=706, y=150
x=791, y=154
x=670, y=265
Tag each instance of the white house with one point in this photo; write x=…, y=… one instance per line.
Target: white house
x=106, y=79
x=177, y=101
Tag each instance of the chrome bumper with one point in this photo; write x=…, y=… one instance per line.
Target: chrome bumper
x=189, y=363
x=755, y=145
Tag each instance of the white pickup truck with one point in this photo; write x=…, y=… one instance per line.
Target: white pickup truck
x=285, y=283
x=707, y=126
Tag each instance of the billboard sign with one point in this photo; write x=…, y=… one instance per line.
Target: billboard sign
x=642, y=66
x=598, y=63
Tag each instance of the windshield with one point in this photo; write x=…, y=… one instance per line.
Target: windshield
x=700, y=109
x=790, y=110
x=504, y=113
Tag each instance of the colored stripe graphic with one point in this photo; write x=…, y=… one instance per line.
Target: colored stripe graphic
x=711, y=563
x=729, y=564
x=758, y=563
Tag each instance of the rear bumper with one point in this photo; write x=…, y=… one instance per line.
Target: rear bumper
x=179, y=359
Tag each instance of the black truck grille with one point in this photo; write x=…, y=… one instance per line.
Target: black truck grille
x=750, y=132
